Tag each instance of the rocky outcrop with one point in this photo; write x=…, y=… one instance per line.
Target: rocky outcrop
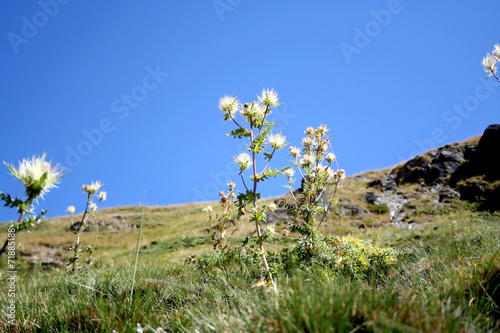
x=478, y=179
x=472, y=172
x=433, y=167
x=484, y=160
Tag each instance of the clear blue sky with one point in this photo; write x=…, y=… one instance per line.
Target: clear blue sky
x=143, y=79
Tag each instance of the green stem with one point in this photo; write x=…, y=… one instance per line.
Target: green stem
x=257, y=226
x=137, y=249
x=29, y=201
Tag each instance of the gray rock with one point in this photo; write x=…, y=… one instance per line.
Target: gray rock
x=352, y=210
x=372, y=198
x=278, y=216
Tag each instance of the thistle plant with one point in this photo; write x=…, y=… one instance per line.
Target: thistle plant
x=90, y=208
x=261, y=142
x=315, y=164
x=490, y=62
x=221, y=222
x=38, y=177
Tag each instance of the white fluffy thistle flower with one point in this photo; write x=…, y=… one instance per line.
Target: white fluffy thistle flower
x=92, y=207
x=228, y=104
x=277, y=141
x=252, y=111
x=496, y=52
x=272, y=207
x=340, y=174
x=31, y=171
x=289, y=172
x=321, y=130
x=295, y=152
x=243, y=160
x=307, y=160
x=307, y=142
x=71, y=210
x=208, y=209
x=330, y=157
x=269, y=97
x=103, y=195
x=309, y=131
x=92, y=188
x=490, y=64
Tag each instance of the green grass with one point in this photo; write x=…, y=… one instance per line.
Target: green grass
x=446, y=280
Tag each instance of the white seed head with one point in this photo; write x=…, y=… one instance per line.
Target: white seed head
x=496, y=52
x=328, y=172
x=295, y=152
x=71, y=210
x=490, y=64
x=322, y=146
x=340, y=174
x=252, y=111
x=309, y=131
x=103, y=195
x=228, y=104
x=330, y=157
x=269, y=97
x=307, y=142
x=208, y=209
x=321, y=130
x=277, y=141
x=307, y=160
x=289, y=172
x=92, y=207
x=31, y=171
x=243, y=160
x=272, y=207
x=92, y=188
x=271, y=229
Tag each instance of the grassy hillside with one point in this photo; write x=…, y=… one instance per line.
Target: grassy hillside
x=445, y=278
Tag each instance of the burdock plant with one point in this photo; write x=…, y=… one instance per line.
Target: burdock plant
x=90, y=208
x=261, y=142
x=38, y=177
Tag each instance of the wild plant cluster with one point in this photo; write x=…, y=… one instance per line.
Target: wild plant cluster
x=316, y=164
x=38, y=177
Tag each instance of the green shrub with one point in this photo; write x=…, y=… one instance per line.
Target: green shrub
x=378, y=209
x=348, y=256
